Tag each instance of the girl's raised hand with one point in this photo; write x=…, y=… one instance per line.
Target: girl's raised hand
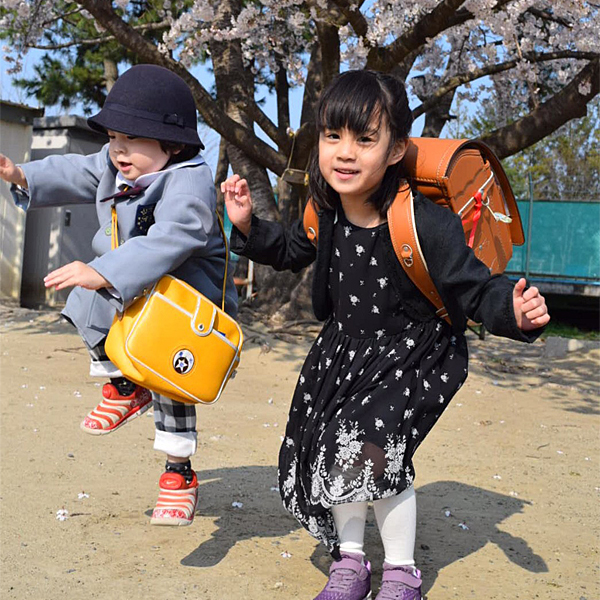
x=238, y=202
x=10, y=172
x=76, y=273
x=530, y=307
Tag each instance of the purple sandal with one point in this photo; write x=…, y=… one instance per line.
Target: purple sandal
x=349, y=579
x=400, y=583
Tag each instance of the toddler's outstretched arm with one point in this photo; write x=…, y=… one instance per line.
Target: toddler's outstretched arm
x=530, y=307
x=11, y=173
x=238, y=202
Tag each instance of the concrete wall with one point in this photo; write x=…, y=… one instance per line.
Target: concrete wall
x=57, y=236
x=16, y=129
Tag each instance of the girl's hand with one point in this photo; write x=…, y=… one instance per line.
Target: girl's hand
x=238, y=202
x=10, y=172
x=530, y=307
x=76, y=273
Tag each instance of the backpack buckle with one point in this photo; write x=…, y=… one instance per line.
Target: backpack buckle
x=407, y=255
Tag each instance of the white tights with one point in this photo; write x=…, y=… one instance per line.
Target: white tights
x=397, y=521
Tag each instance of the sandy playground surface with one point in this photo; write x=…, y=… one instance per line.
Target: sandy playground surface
x=507, y=483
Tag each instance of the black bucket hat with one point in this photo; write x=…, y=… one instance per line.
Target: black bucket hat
x=152, y=102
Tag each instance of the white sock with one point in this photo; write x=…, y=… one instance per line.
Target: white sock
x=350, y=522
x=397, y=521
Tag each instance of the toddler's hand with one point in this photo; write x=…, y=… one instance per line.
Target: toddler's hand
x=238, y=202
x=10, y=172
x=530, y=307
x=76, y=273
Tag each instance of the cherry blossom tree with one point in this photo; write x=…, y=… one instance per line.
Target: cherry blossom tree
x=539, y=58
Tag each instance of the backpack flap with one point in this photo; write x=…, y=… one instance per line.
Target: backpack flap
x=477, y=195
x=426, y=163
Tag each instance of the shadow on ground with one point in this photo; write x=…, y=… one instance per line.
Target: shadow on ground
x=441, y=540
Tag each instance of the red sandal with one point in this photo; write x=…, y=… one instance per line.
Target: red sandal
x=177, y=500
x=116, y=410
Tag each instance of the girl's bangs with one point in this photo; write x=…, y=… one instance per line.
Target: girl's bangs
x=357, y=108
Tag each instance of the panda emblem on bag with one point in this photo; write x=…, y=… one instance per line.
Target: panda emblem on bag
x=183, y=362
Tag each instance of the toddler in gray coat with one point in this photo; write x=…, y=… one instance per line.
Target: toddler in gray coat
x=165, y=199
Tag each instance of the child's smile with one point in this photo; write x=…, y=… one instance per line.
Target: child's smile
x=135, y=156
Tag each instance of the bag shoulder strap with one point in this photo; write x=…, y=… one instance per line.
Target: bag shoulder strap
x=403, y=232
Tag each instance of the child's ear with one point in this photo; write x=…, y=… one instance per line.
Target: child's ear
x=398, y=152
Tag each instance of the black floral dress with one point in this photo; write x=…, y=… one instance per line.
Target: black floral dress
x=373, y=385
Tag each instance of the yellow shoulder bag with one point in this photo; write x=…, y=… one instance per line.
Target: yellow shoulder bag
x=175, y=341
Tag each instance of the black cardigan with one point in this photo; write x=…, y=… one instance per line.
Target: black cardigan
x=463, y=281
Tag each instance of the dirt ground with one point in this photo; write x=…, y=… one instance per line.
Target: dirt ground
x=507, y=483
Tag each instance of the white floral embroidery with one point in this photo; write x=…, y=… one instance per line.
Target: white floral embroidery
x=337, y=252
x=349, y=446
x=394, y=453
x=366, y=400
x=375, y=310
x=380, y=333
x=301, y=380
x=307, y=397
x=288, y=484
x=341, y=276
x=373, y=261
x=444, y=377
x=408, y=413
x=347, y=231
x=399, y=373
x=441, y=399
x=354, y=299
x=351, y=354
x=426, y=384
x=383, y=281
x=359, y=249
x=414, y=432
x=378, y=423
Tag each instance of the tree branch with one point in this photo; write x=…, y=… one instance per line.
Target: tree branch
x=101, y=39
x=354, y=17
x=240, y=136
x=262, y=120
x=458, y=80
x=384, y=59
x=570, y=103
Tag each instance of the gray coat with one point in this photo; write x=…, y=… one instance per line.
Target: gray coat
x=171, y=227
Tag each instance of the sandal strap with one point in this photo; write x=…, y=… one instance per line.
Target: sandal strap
x=403, y=577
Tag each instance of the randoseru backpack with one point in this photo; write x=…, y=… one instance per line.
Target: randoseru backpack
x=464, y=176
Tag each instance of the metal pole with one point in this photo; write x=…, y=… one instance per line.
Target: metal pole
x=529, y=225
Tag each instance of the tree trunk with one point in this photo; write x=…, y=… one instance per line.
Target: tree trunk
x=111, y=73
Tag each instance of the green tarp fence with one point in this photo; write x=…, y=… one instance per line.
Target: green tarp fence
x=564, y=243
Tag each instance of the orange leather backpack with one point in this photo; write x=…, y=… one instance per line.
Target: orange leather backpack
x=464, y=176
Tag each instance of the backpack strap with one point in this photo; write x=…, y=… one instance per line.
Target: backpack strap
x=311, y=222
x=403, y=232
